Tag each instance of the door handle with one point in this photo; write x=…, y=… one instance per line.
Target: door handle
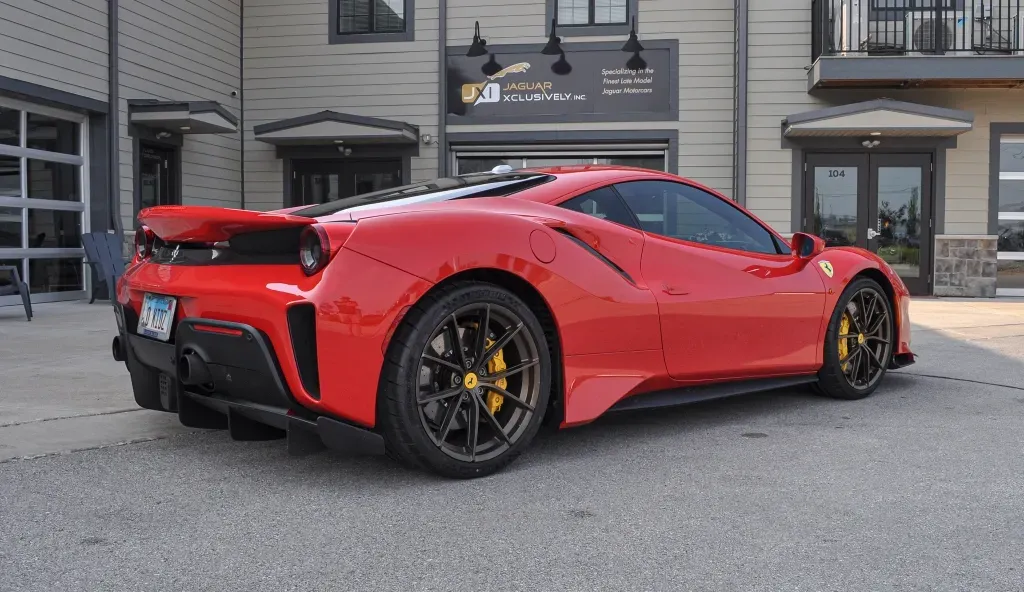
x=872, y=233
x=673, y=290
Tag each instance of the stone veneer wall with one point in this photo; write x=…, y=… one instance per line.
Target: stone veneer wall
x=965, y=266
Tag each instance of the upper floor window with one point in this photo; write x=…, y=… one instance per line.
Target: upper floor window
x=355, y=21
x=684, y=212
x=917, y=4
x=592, y=17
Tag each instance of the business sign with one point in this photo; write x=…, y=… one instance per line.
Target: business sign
x=590, y=82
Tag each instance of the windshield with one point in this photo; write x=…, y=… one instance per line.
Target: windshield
x=445, y=188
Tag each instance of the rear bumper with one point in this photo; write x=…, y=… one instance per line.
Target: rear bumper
x=242, y=389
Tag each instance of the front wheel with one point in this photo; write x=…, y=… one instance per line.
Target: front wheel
x=858, y=342
x=466, y=381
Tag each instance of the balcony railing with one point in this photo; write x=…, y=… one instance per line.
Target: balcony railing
x=916, y=27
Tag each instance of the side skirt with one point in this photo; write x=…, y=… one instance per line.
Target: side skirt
x=694, y=394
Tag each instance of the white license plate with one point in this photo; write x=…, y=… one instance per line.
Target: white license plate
x=157, y=316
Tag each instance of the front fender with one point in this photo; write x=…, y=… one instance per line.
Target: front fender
x=850, y=262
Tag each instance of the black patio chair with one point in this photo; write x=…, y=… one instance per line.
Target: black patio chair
x=103, y=253
x=11, y=284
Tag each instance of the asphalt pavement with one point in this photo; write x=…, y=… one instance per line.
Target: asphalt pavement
x=920, y=487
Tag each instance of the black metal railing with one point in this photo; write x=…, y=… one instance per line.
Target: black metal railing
x=916, y=27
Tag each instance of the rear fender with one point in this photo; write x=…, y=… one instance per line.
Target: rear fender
x=595, y=308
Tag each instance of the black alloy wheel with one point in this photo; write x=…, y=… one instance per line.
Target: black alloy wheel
x=859, y=342
x=467, y=381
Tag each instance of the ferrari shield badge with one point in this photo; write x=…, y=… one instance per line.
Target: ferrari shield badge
x=826, y=267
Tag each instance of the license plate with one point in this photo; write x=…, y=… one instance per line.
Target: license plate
x=157, y=316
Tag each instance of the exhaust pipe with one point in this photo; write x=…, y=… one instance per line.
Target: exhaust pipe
x=192, y=370
x=118, y=350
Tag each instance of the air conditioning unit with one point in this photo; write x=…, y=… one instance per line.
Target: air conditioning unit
x=952, y=31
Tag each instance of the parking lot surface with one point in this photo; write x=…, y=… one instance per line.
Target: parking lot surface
x=920, y=487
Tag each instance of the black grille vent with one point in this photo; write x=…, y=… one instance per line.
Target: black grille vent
x=302, y=327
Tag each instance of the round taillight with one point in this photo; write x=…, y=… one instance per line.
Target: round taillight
x=314, y=249
x=144, y=239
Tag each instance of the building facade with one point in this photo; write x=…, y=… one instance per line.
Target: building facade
x=895, y=125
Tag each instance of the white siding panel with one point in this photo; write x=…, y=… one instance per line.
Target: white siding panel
x=292, y=70
x=60, y=45
x=179, y=50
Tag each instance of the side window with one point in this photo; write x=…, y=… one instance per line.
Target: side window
x=601, y=203
x=687, y=213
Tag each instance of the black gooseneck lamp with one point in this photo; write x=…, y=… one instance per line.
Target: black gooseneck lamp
x=554, y=43
x=633, y=46
x=479, y=46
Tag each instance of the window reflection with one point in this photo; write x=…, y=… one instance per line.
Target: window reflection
x=835, y=205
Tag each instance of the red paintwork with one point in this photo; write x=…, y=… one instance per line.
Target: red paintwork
x=694, y=313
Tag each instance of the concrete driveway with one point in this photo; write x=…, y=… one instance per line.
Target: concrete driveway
x=918, y=487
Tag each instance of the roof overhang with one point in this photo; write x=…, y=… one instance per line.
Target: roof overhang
x=182, y=117
x=922, y=71
x=881, y=117
x=330, y=127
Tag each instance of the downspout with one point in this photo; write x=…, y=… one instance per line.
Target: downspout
x=113, y=120
x=241, y=98
x=740, y=143
x=442, y=82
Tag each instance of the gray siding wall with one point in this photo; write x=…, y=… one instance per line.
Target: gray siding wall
x=780, y=50
x=292, y=70
x=60, y=44
x=183, y=50
x=707, y=53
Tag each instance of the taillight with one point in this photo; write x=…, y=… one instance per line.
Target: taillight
x=314, y=249
x=144, y=240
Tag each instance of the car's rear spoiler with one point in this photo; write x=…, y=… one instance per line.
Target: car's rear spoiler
x=206, y=224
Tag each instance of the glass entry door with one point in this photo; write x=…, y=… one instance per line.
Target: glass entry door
x=879, y=202
x=316, y=181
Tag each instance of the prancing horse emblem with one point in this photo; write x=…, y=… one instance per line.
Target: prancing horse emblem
x=826, y=267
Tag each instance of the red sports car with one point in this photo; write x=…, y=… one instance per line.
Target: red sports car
x=443, y=322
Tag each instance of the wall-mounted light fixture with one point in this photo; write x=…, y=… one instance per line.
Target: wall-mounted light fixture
x=554, y=46
x=870, y=143
x=479, y=45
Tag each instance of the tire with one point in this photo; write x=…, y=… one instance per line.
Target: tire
x=868, y=351
x=428, y=435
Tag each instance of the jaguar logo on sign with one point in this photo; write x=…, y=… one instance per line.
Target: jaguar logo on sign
x=490, y=92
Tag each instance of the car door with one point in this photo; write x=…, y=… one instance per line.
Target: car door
x=733, y=301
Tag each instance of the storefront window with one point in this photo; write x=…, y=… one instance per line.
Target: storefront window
x=1010, y=244
x=43, y=160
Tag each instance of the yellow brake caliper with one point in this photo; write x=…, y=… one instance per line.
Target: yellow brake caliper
x=844, y=329
x=494, y=366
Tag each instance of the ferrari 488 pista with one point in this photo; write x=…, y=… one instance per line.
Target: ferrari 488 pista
x=444, y=322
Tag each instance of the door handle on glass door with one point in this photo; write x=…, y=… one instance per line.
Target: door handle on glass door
x=872, y=233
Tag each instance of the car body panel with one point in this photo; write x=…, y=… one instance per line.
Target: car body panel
x=633, y=312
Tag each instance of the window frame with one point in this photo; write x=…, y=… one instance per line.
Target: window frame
x=26, y=253
x=335, y=36
x=782, y=248
x=996, y=174
x=592, y=29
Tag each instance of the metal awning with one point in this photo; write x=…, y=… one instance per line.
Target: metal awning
x=881, y=117
x=182, y=117
x=331, y=127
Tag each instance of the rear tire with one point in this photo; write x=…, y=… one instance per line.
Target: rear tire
x=434, y=402
x=858, y=343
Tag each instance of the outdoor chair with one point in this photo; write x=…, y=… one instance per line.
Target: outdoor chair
x=103, y=253
x=11, y=284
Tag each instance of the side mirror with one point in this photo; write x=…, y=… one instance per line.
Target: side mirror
x=806, y=245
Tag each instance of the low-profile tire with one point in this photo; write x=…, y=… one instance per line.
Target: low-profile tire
x=858, y=343
x=434, y=401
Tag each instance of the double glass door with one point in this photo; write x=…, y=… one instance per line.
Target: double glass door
x=880, y=202
x=318, y=181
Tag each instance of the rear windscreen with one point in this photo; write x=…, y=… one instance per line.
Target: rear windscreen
x=445, y=188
